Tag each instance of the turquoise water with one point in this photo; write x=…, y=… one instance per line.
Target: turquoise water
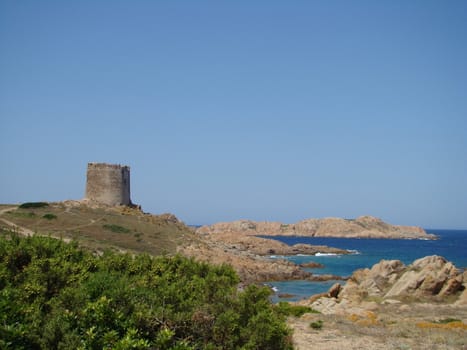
x=451, y=244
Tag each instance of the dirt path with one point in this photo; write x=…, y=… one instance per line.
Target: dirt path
x=91, y=222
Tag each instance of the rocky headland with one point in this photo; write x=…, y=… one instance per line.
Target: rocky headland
x=127, y=229
x=252, y=257
x=257, y=259
x=361, y=227
x=251, y=268
x=266, y=246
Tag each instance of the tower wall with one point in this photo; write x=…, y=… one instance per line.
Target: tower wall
x=108, y=183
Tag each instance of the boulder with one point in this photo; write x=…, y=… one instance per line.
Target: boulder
x=334, y=290
x=390, y=282
x=425, y=279
x=326, y=306
x=374, y=281
x=312, y=265
x=429, y=276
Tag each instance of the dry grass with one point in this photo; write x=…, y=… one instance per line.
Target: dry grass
x=421, y=326
x=435, y=325
x=142, y=232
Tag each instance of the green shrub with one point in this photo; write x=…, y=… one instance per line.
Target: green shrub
x=55, y=295
x=49, y=216
x=29, y=205
x=448, y=320
x=116, y=228
x=316, y=324
x=287, y=309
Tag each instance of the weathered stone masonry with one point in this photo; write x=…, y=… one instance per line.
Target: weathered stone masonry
x=108, y=183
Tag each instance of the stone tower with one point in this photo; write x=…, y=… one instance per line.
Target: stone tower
x=108, y=184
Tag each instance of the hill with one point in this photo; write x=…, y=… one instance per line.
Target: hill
x=100, y=227
x=125, y=229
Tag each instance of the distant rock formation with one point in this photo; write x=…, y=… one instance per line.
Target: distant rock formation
x=267, y=247
x=362, y=227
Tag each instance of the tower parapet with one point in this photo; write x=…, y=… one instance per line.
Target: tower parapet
x=108, y=184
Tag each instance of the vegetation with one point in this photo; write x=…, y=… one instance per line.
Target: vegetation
x=316, y=324
x=85, y=224
x=31, y=205
x=116, y=228
x=448, y=320
x=49, y=216
x=55, y=295
x=287, y=309
x=447, y=325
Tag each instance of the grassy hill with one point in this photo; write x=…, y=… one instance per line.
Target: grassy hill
x=98, y=227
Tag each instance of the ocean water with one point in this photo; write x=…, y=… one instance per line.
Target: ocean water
x=451, y=244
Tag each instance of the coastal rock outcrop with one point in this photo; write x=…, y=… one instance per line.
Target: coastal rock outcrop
x=428, y=279
x=256, y=259
x=251, y=268
x=361, y=227
x=431, y=276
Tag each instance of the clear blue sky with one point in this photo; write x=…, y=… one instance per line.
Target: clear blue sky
x=263, y=110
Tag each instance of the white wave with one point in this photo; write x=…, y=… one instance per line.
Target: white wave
x=277, y=257
x=325, y=254
x=353, y=251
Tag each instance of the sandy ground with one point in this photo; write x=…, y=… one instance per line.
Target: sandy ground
x=391, y=327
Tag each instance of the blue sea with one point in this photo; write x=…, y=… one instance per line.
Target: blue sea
x=451, y=244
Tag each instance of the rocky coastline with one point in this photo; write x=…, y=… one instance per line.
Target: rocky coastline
x=422, y=305
x=361, y=227
x=266, y=247
x=256, y=259
x=245, y=244
x=428, y=279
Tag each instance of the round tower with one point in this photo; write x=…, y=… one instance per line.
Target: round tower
x=108, y=183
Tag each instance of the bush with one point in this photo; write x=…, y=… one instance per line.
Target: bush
x=448, y=320
x=55, y=295
x=49, y=216
x=287, y=309
x=116, y=228
x=29, y=205
x=317, y=324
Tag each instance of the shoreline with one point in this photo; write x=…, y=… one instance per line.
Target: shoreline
x=450, y=245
